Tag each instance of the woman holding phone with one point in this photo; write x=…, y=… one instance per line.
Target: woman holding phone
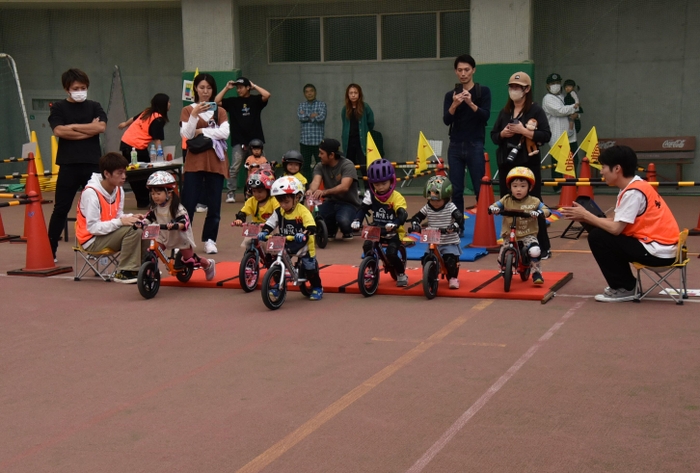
x=205, y=171
x=510, y=134
x=358, y=119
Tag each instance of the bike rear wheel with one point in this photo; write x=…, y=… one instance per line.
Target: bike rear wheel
x=273, y=293
x=430, y=279
x=249, y=272
x=148, y=280
x=185, y=274
x=368, y=276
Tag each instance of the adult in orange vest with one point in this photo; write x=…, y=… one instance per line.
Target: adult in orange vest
x=101, y=222
x=146, y=127
x=642, y=230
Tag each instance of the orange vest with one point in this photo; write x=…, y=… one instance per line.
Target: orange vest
x=137, y=134
x=108, y=211
x=657, y=223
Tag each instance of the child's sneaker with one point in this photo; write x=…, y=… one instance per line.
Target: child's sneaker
x=402, y=280
x=316, y=294
x=537, y=278
x=210, y=272
x=454, y=283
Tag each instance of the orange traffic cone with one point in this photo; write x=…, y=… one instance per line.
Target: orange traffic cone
x=586, y=190
x=484, y=228
x=4, y=236
x=567, y=195
x=39, y=261
x=487, y=174
x=694, y=231
x=440, y=169
x=651, y=172
x=32, y=185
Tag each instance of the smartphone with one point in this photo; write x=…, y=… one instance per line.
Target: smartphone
x=459, y=88
x=212, y=106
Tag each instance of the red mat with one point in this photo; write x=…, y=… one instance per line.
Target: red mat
x=479, y=284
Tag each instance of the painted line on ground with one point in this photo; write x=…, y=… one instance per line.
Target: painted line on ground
x=476, y=407
x=410, y=340
x=277, y=450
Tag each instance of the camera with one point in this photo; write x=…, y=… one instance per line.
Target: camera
x=513, y=153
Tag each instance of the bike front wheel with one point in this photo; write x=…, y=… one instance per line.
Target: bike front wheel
x=273, y=293
x=508, y=274
x=321, y=238
x=249, y=272
x=368, y=276
x=148, y=280
x=430, y=279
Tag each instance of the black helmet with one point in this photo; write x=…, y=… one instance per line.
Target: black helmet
x=256, y=143
x=292, y=156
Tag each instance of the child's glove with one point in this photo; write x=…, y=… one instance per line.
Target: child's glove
x=535, y=213
x=415, y=227
x=299, y=238
x=390, y=227
x=355, y=225
x=454, y=227
x=495, y=209
x=262, y=236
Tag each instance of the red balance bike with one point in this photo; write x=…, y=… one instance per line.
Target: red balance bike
x=515, y=259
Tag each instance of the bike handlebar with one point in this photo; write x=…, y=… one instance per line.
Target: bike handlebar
x=513, y=213
x=162, y=226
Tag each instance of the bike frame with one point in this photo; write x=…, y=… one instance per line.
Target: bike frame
x=284, y=259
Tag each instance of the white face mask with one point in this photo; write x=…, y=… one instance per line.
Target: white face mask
x=79, y=96
x=516, y=94
x=555, y=88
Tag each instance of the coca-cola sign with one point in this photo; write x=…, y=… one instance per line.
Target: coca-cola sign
x=675, y=144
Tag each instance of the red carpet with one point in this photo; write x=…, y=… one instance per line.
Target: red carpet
x=479, y=284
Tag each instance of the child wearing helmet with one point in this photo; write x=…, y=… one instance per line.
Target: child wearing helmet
x=256, y=158
x=166, y=209
x=261, y=205
x=442, y=213
x=293, y=219
x=520, y=180
x=389, y=212
x=291, y=163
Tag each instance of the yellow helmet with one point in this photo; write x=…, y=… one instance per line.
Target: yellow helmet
x=521, y=172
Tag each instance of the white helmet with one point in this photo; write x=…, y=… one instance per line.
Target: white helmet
x=161, y=179
x=287, y=185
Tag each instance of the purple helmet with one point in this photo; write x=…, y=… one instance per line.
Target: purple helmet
x=381, y=170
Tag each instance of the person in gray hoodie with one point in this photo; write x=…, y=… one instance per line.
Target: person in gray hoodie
x=101, y=222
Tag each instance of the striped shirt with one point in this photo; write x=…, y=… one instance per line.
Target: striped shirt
x=442, y=219
x=312, y=129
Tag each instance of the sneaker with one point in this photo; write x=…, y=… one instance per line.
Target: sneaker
x=402, y=280
x=210, y=272
x=126, y=277
x=347, y=236
x=200, y=208
x=230, y=197
x=274, y=292
x=537, y=278
x=316, y=294
x=210, y=247
x=546, y=255
x=454, y=283
x=615, y=295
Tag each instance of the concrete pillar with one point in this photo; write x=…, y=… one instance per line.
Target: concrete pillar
x=501, y=31
x=210, y=35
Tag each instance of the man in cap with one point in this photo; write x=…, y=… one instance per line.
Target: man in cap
x=340, y=193
x=244, y=119
x=558, y=114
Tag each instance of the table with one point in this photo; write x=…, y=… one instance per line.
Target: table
x=144, y=172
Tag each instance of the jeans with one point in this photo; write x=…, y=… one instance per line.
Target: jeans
x=238, y=157
x=614, y=253
x=461, y=156
x=337, y=215
x=206, y=186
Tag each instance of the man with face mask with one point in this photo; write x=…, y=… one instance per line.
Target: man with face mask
x=77, y=123
x=558, y=114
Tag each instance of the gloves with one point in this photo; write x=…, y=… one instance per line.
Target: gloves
x=415, y=227
x=389, y=227
x=262, y=236
x=299, y=238
x=535, y=213
x=455, y=227
x=355, y=225
x=495, y=209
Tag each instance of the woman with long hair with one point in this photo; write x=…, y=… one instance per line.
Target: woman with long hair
x=205, y=171
x=145, y=128
x=512, y=137
x=358, y=119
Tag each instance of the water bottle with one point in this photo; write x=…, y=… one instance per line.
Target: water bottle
x=152, y=153
x=159, y=154
x=134, y=157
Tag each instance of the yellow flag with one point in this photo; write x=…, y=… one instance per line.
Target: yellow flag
x=196, y=73
x=590, y=146
x=561, y=152
x=372, y=151
x=424, y=153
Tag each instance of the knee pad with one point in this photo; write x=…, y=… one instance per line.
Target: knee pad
x=534, y=252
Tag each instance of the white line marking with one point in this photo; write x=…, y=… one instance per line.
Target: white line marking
x=464, y=418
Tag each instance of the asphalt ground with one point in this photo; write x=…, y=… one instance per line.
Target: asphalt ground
x=95, y=378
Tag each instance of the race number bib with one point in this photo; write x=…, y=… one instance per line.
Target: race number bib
x=150, y=232
x=371, y=233
x=430, y=235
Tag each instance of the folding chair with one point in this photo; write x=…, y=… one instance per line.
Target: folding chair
x=659, y=275
x=103, y=263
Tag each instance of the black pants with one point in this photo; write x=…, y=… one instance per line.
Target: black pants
x=452, y=264
x=138, y=186
x=392, y=252
x=71, y=177
x=614, y=253
x=209, y=185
